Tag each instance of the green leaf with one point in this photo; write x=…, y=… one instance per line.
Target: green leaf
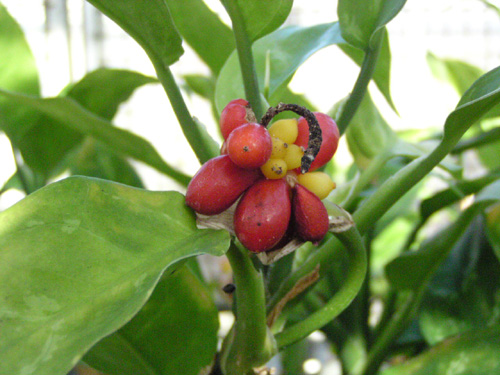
x=174, y=333
x=94, y=159
x=75, y=117
x=493, y=228
x=44, y=141
x=103, y=90
x=149, y=23
x=288, y=49
x=360, y=20
x=382, y=74
x=263, y=17
x=411, y=270
x=195, y=21
x=462, y=293
x=482, y=96
x=78, y=259
x=454, y=193
x=459, y=74
x=474, y=353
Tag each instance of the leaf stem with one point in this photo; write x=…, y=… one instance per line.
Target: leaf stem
x=359, y=89
x=252, y=345
x=353, y=243
x=188, y=125
x=245, y=56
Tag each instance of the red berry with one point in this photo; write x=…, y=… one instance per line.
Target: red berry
x=262, y=215
x=236, y=113
x=249, y=146
x=330, y=134
x=218, y=184
x=310, y=215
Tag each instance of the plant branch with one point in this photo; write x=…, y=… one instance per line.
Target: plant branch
x=251, y=344
x=189, y=127
x=359, y=89
x=353, y=243
x=245, y=56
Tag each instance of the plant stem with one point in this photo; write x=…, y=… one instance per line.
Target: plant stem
x=359, y=89
x=251, y=344
x=189, y=127
x=353, y=243
x=245, y=56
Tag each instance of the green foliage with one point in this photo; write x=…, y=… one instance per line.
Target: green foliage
x=96, y=269
x=79, y=259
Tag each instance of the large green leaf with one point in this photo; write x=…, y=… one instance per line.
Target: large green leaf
x=288, y=48
x=360, y=19
x=462, y=293
x=78, y=259
x=474, y=353
x=195, y=21
x=149, y=23
x=174, y=333
x=74, y=116
x=263, y=17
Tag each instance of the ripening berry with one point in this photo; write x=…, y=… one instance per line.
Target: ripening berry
x=310, y=215
x=249, y=146
x=236, y=113
x=274, y=169
x=218, y=184
x=317, y=182
x=279, y=148
x=293, y=157
x=330, y=135
x=286, y=130
x=262, y=215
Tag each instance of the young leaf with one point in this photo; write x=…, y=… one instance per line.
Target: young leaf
x=360, y=20
x=68, y=112
x=459, y=74
x=180, y=320
x=78, y=259
x=149, y=23
x=288, y=49
x=382, y=74
x=202, y=29
x=263, y=17
x=474, y=353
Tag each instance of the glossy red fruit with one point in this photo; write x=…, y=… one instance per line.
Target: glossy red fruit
x=236, y=113
x=262, y=215
x=330, y=134
x=218, y=184
x=310, y=215
x=249, y=146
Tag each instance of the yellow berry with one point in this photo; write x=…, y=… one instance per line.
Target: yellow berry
x=274, y=169
x=287, y=130
x=317, y=182
x=293, y=156
x=279, y=148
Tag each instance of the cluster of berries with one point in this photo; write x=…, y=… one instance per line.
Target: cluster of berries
x=263, y=167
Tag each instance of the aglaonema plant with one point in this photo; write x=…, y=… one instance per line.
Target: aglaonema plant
x=97, y=272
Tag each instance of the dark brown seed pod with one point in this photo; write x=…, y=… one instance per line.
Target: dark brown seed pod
x=315, y=137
